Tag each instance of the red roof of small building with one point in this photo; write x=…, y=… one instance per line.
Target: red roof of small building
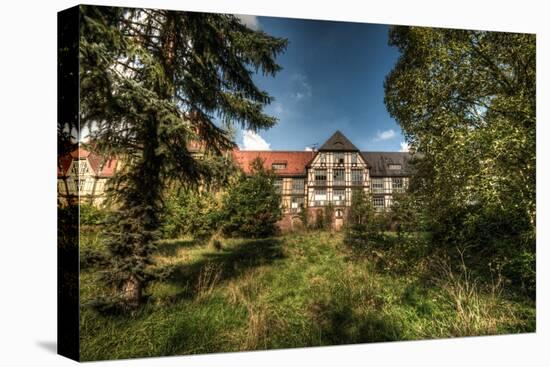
x=296, y=161
x=101, y=166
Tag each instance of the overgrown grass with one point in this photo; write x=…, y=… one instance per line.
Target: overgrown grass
x=296, y=290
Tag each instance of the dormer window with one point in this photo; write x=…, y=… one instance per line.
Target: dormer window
x=278, y=166
x=394, y=167
x=79, y=168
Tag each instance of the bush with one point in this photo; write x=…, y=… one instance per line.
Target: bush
x=363, y=224
x=407, y=215
x=194, y=213
x=92, y=215
x=497, y=236
x=252, y=207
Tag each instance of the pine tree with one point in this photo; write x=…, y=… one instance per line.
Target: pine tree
x=152, y=81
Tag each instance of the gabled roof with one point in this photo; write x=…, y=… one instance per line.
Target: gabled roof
x=379, y=162
x=296, y=161
x=338, y=142
x=101, y=166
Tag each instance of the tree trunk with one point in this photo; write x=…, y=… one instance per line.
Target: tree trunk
x=131, y=292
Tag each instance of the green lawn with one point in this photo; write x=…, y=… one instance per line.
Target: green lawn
x=296, y=290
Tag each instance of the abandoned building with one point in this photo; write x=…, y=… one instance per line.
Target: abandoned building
x=310, y=180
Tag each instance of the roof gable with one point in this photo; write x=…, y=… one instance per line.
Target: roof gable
x=100, y=166
x=338, y=142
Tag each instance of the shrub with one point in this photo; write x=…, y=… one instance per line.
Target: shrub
x=319, y=222
x=329, y=216
x=406, y=215
x=252, y=207
x=363, y=224
x=91, y=215
x=189, y=212
x=304, y=217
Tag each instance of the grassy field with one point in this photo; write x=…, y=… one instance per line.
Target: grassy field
x=296, y=290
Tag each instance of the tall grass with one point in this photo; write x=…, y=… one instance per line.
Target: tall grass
x=297, y=290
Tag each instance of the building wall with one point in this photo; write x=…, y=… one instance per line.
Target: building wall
x=80, y=184
x=313, y=203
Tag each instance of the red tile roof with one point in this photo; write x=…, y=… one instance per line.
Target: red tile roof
x=101, y=166
x=296, y=161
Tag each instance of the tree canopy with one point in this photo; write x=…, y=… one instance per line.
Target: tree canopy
x=467, y=101
x=252, y=206
x=153, y=83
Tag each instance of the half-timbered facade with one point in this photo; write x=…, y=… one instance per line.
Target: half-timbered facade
x=306, y=180
x=313, y=180
x=83, y=176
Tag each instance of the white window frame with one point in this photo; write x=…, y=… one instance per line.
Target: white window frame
x=374, y=183
x=362, y=176
x=376, y=200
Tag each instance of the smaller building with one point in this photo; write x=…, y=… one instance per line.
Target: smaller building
x=82, y=176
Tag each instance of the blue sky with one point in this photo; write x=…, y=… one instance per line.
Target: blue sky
x=332, y=78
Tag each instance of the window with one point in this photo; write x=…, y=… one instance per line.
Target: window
x=320, y=197
x=320, y=177
x=357, y=177
x=339, y=158
x=296, y=204
x=279, y=185
x=322, y=159
x=339, y=213
x=394, y=167
x=339, y=196
x=277, y=166
x=298, y=186
x=99, y=187
x=397, y=184
x=74, y=168
x=61, y=186
x=79, y=168
x=79, y=184
x=88, y=186
x=354, y=159
x=377, y=185
x=72, y=186
x=378, y=202
x=339, y=177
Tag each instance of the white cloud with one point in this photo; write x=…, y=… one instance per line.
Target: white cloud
x=251, y=21
x=301, y=87
x=308, y=149
x=404, y=146
x=385, y=135
x=253, y=141
x=278, y=108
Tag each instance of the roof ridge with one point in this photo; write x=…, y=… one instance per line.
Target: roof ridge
x=338, y=142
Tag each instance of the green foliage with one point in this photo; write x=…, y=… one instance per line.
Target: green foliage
x=151, y=82
x=297, y=290
x=466, y=100
x=252, y=205
x=319, y=222
x=407, y=215
x=328, y=212
x=92, y=215
x=363, y=224
x=304, y=217
x=190, y=212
